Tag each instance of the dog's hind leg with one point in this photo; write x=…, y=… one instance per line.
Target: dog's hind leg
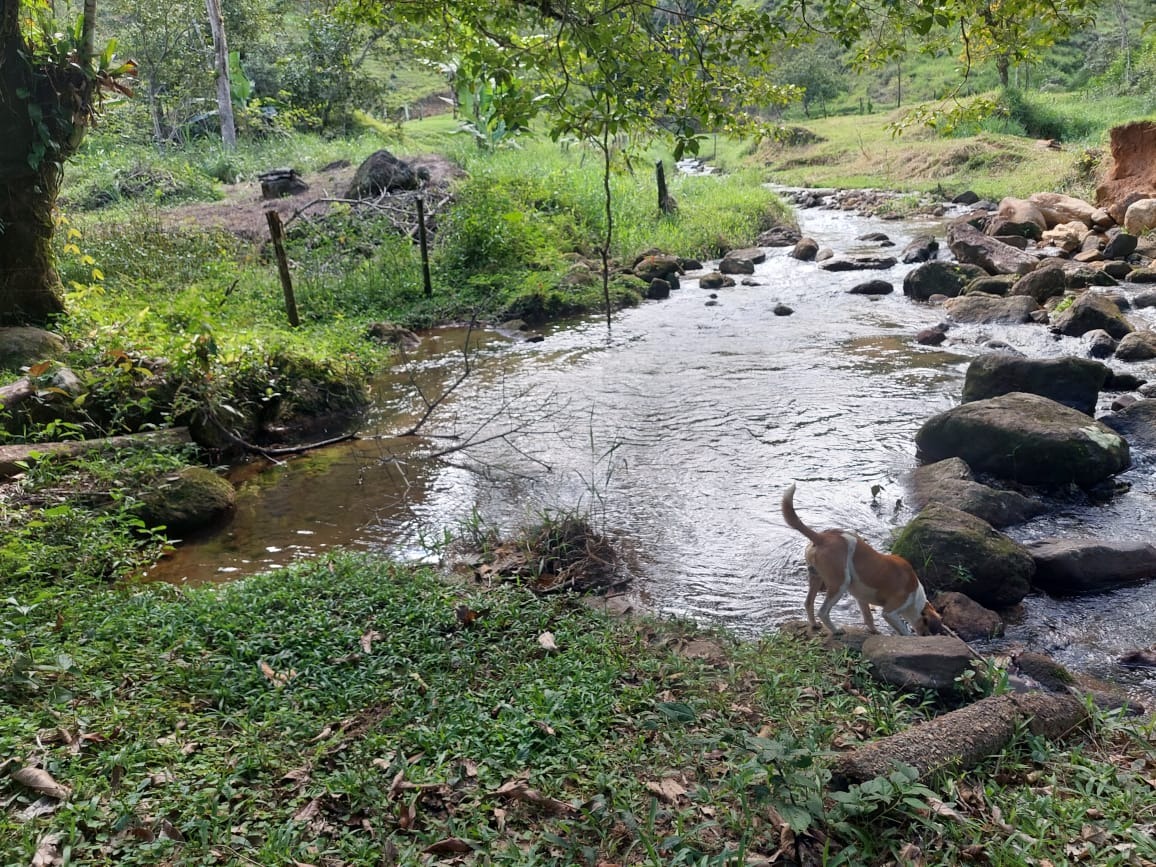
x=812, y=591
x=868, y=617
x=825, y=609
x=834, y=596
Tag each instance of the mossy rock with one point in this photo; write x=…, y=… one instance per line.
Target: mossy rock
x=954, y=551
x=1025, y=438
x=187, y=500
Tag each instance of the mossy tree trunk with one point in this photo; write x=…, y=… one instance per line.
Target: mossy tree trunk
x=43, y=118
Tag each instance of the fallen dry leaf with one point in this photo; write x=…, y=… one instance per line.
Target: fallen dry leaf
x=48, y=851
x=667, y=789
x=449, y=846
x=297, y=775
x=42, y=782
x=42, y=806
x=277, y=678
x=911, y=854
x=518, y=790
x=308, y=812
x=367, y=640
x=939, y=808
x=546, y=640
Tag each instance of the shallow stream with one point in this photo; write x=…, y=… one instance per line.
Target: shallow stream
x=678, y=429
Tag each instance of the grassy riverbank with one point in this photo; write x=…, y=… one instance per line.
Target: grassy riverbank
x=355, y=711
x=352, y=711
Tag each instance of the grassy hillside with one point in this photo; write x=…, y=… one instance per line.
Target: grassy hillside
x=1002, y=156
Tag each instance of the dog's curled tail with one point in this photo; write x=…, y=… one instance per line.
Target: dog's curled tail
x=792, y=519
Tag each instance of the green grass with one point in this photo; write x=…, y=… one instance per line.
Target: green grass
x=340, y=712
x=999, y=158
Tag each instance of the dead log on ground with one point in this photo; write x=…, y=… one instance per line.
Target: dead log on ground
x=16, y=392
x=964, y=737
x=9, y=455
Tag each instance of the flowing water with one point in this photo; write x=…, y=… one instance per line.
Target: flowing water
x=678, y=429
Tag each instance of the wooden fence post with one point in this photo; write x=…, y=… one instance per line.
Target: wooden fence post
x=666, y=202
x=278, y=234
x=424, y=248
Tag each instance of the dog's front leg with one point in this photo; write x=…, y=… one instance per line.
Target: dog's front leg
x=897, y=622
x=868, y=618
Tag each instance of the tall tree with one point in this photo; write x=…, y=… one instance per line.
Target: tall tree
x=50, y=79
x=221, y=67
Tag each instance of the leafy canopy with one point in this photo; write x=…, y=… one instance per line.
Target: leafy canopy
x=598, y=68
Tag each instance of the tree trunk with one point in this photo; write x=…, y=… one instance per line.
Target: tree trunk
x=30, y=291
x=224, y=89
x=1003, y=67
x=29, y=285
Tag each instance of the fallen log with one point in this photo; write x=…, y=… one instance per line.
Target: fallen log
x=11, y=455
x=964, y=737
x=14, y=393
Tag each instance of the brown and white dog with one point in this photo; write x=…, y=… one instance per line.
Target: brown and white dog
x=840, y=562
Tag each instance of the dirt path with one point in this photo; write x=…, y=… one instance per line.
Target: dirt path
x=242, y=210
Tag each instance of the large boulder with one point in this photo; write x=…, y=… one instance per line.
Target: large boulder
x=805, y=249
x=950, y=483
x=973, y=247
x=1091, y=311
x=657, y=266
x=952, y=550
x=1041, y=284
x=996, y=284
x=1057, y=208
x=1025, y=438
x=858, y=263
x=1067, y=567
x=1137, y=346
x=1021, y=212
x=23, y=345
x=872, y=287
x=779, y=236
x=1074, y=382
x=1140, y=217
x=980, y=309
x=921, y=249
x=382, y=172
x=1120, y=245
x=939, y=278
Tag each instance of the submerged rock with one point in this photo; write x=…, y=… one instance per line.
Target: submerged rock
x=1075, y=566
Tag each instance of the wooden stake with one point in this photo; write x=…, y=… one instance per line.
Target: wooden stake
x=277, y=233
x=425, y=278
